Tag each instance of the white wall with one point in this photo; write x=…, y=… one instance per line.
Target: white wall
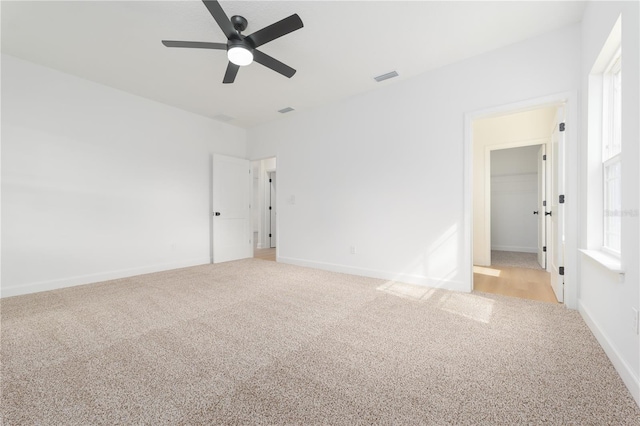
x=514, y=197
x=495, y=133
x=384, y=171
x=605, y=301
x=97, y=183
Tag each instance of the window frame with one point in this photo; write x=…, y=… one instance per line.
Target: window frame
x=612, y=215
x=611, y=154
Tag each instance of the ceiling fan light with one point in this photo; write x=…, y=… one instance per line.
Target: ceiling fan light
x=240, y=55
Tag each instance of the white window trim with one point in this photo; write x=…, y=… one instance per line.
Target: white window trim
x=611, y=263
x=605, y=207
x=611, y=149
x=600, y=84
x=614, y=66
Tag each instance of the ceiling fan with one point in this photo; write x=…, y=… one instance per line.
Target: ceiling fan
x=241, y=49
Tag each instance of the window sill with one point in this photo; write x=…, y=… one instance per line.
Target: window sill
x=612, y=263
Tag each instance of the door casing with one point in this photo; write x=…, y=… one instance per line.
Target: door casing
x=570, y=100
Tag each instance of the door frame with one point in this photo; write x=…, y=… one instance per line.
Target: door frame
x=272, y=209
x=570, y=100
x=262, y=175
x=543, y=236
x=557, y=222
x=487, y=181
x=266, y=214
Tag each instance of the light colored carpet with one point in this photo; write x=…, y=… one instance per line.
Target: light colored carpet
x=255, y=342
x=515, y=259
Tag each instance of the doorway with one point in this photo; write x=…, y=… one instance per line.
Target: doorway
x=264, y=208
x=510, y=212
x=273, y=235
x=514, y=203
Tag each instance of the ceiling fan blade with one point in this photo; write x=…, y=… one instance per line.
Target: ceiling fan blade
x=221, y=18
x=274, y=64
x=230, y=75
x=276, y=30
x=195, y=44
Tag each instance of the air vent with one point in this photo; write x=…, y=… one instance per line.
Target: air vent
x=223, y=118
x=285, y=110
x=386, y=76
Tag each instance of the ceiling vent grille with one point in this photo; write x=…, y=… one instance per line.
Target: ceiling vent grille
x=386, y=76
x=285, y=110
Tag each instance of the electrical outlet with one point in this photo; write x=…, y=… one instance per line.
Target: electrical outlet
x=353, y=249
x=636, y=321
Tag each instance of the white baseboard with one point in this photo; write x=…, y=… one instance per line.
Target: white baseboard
x=372, y=273
x=622, y=367
x=99, y=277
x=516, y=248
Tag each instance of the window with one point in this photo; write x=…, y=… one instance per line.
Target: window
x=603, y=239
x=611, y=150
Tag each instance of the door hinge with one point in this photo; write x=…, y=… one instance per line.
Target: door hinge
x=562, y=127
x=269, y=207
x=544, y=248
x=269, y=235
x=561, y=199
x=544, y=203
x=269, y=180
x=561, y=270
x=544, y=157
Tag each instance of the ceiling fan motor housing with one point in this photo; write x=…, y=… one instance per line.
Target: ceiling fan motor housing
x=239, y=23
x=240, y=43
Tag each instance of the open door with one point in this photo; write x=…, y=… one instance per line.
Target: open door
x=555, y=206
x=542, y=228
x=272, y=210
x=231, y=209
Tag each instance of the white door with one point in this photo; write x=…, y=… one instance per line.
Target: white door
x=231, y=209
x=272, y=209
x=542, y=229
x=555, y=206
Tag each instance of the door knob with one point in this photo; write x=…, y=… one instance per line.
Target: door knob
x=535, y=212
x=217, y=213
x=547, y=214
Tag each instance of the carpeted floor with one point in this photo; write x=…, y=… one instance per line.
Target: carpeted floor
x=515, y=259
x=257, y=342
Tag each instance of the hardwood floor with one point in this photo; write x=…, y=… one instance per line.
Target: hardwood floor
x=534, y=284
x=265, y=254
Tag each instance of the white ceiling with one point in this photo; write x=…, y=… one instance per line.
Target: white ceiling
x=342, y=46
